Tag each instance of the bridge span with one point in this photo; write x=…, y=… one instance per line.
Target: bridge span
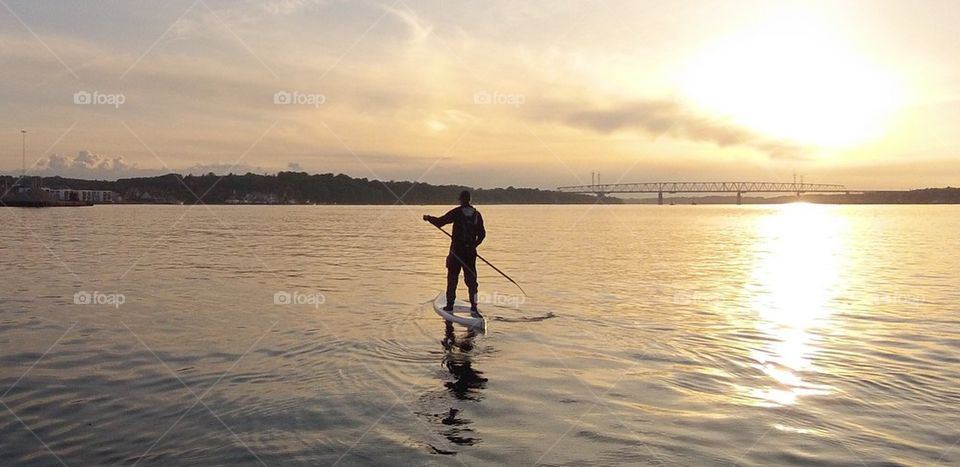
x=706, y=187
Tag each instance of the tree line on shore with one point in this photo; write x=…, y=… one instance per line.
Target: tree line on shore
x=301, y=188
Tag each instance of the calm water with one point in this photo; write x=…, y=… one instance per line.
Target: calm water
x=677, y=335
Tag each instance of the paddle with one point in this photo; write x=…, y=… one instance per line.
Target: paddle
x=488, y=263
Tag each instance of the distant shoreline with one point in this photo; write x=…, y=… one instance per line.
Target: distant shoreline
x=948, y=195
x=300, y=188
x=626, y=203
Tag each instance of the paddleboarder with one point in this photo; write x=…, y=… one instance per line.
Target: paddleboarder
x=468, y=234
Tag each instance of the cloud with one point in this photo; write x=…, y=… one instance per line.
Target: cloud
x=419, y=30
x=198, y=95
x=672, y=119
x=88, y=165
x=286, y=7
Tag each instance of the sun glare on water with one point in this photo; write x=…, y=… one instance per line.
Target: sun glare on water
x=793, y=78
x=795, y=279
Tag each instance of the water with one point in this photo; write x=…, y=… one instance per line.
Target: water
x=747, y=335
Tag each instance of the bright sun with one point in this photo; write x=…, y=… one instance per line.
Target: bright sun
x=791, y=78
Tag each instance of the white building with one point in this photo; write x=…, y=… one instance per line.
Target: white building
x=93, y=196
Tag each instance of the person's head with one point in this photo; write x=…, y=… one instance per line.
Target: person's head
x=464, y=197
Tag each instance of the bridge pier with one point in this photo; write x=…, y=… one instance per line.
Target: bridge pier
x=739, y=197
x=660, y=198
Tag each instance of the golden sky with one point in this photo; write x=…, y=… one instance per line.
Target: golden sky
x=864, y=93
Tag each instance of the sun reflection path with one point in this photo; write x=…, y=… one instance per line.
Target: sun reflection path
x=793, y=284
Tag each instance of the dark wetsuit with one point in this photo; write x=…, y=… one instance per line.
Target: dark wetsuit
x=468, y=233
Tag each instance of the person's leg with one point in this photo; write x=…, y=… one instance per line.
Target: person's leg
x=470, y=278
x=453, y=276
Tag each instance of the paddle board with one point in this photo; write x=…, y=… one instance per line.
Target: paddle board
x=460, y=314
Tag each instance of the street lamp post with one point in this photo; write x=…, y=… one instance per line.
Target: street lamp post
x=23, y=152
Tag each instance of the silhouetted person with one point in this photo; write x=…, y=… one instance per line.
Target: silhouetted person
x=468, y=234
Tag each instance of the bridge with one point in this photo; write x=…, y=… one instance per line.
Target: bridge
x=706, y=187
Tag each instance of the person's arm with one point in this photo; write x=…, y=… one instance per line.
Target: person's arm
x=443, y=220
x=481, y=232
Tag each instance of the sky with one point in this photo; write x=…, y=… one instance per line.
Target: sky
x=486, y=94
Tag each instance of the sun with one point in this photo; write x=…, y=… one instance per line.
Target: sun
x=793, y=78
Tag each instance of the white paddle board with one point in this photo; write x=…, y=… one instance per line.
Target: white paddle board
x=460, y=314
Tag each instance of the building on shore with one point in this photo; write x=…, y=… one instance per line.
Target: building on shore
x=27, y=192
x=92, y=196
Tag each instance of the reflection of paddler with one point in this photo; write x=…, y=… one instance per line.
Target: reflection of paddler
x=466, y=383
x=457, y=360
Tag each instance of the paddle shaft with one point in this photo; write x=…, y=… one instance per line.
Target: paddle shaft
x=488, y=263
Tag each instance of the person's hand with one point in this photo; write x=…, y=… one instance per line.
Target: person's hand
x=426, y=217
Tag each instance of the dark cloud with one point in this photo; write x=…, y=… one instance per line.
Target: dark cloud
x=669, y=118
